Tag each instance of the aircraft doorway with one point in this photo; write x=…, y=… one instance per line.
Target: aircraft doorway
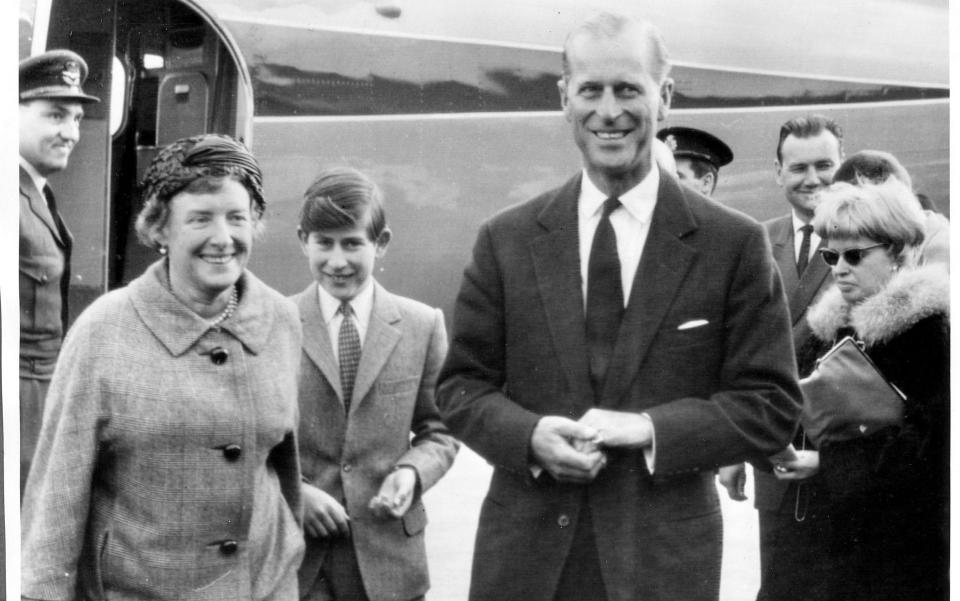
x=180, y=77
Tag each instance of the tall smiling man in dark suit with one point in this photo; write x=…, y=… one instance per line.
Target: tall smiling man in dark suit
x=615, y=340
x=793, y=560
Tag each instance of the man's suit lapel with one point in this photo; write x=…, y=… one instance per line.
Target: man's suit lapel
x=556, y=262
x=781, y=239
x=317, y=344
x=663, y=267
x=810, y=285
x=38, y=205
x=800, y=291
x=383, y=333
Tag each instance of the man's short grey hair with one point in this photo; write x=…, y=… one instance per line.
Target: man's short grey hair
x=609, y=25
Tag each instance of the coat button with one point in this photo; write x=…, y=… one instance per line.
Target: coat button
x=563, y=521
x=219, y=355
x=229, y=547
x=347, y=467
x=232, y=452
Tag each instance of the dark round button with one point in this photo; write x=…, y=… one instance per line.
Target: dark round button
x=232, y=452
x=229, y=547
x=563, y=521
x=219, y=355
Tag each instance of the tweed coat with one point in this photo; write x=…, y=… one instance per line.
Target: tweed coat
x=719, y=390
x=349, y=456
x=889, y=491
x=45, y=245
x=166, y=468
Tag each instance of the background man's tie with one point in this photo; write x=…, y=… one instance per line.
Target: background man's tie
x=804, y=257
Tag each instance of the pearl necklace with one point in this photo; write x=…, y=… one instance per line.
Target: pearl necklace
x=231, y=307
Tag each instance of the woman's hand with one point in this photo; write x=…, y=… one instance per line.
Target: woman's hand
x=806, y=465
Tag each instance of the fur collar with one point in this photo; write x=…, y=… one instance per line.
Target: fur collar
x=910, y=296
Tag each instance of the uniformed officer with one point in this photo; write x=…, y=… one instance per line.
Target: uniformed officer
x=699, y=156
x=51, y=108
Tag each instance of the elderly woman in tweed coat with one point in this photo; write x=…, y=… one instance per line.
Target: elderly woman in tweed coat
x=167, y=466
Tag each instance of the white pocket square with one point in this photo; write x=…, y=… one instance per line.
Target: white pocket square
x=694, y=323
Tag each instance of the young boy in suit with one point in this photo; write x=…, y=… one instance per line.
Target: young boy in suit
x=368, y=370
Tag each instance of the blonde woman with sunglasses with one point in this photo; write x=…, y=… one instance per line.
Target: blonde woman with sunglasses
x=888, y=491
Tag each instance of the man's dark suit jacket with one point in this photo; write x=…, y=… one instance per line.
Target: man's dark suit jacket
x=801, y=292
x=717, y=393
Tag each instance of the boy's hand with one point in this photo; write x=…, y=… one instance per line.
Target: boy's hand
x=323, y=516
x=396, y=494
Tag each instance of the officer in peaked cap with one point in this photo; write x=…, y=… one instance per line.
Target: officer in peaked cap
x=51, y=108
x=699, y=156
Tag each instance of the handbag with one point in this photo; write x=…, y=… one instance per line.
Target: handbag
x=847, y=397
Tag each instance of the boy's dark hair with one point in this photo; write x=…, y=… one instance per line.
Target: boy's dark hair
x=342, y=197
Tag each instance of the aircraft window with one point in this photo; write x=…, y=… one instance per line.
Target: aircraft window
x=118, y=92
x=152, y=61
x=307, y=72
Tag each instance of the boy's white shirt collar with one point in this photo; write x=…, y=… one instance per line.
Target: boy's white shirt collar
x=362, y=305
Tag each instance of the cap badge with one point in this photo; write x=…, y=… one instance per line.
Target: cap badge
x=671, y=143
x=71, y=74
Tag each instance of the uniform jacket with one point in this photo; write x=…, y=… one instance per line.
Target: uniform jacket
x=889, y=491
x=801, y=293
x=44, y=277
x=717, y=394
x=349, y=456
x=162, y=471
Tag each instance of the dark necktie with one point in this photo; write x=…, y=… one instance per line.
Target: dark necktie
x=67, y=251
x=348, y=344
x=604, y=297
x=804, y=257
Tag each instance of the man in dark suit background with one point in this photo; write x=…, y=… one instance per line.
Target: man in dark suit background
x=51, y=108
x=615, y=341
x=793, y=562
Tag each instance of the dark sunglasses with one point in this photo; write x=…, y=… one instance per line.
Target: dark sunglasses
x=852, y=256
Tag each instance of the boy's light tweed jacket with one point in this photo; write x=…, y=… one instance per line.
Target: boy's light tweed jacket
x=167, y=469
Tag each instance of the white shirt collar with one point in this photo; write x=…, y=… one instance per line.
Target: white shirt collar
x=38, y=180
x=797, y=222
x=639, y=200
x=362, y=304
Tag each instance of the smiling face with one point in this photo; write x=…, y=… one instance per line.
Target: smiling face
x=613, y=103
x=49, y=129
x=342, y=260
x=866, y=278
x=806, y=167
x=208, y=234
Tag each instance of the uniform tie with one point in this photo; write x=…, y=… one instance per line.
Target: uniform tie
x=604, y=297
x=349, y=350
x=67, y=251
x=804, y=257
